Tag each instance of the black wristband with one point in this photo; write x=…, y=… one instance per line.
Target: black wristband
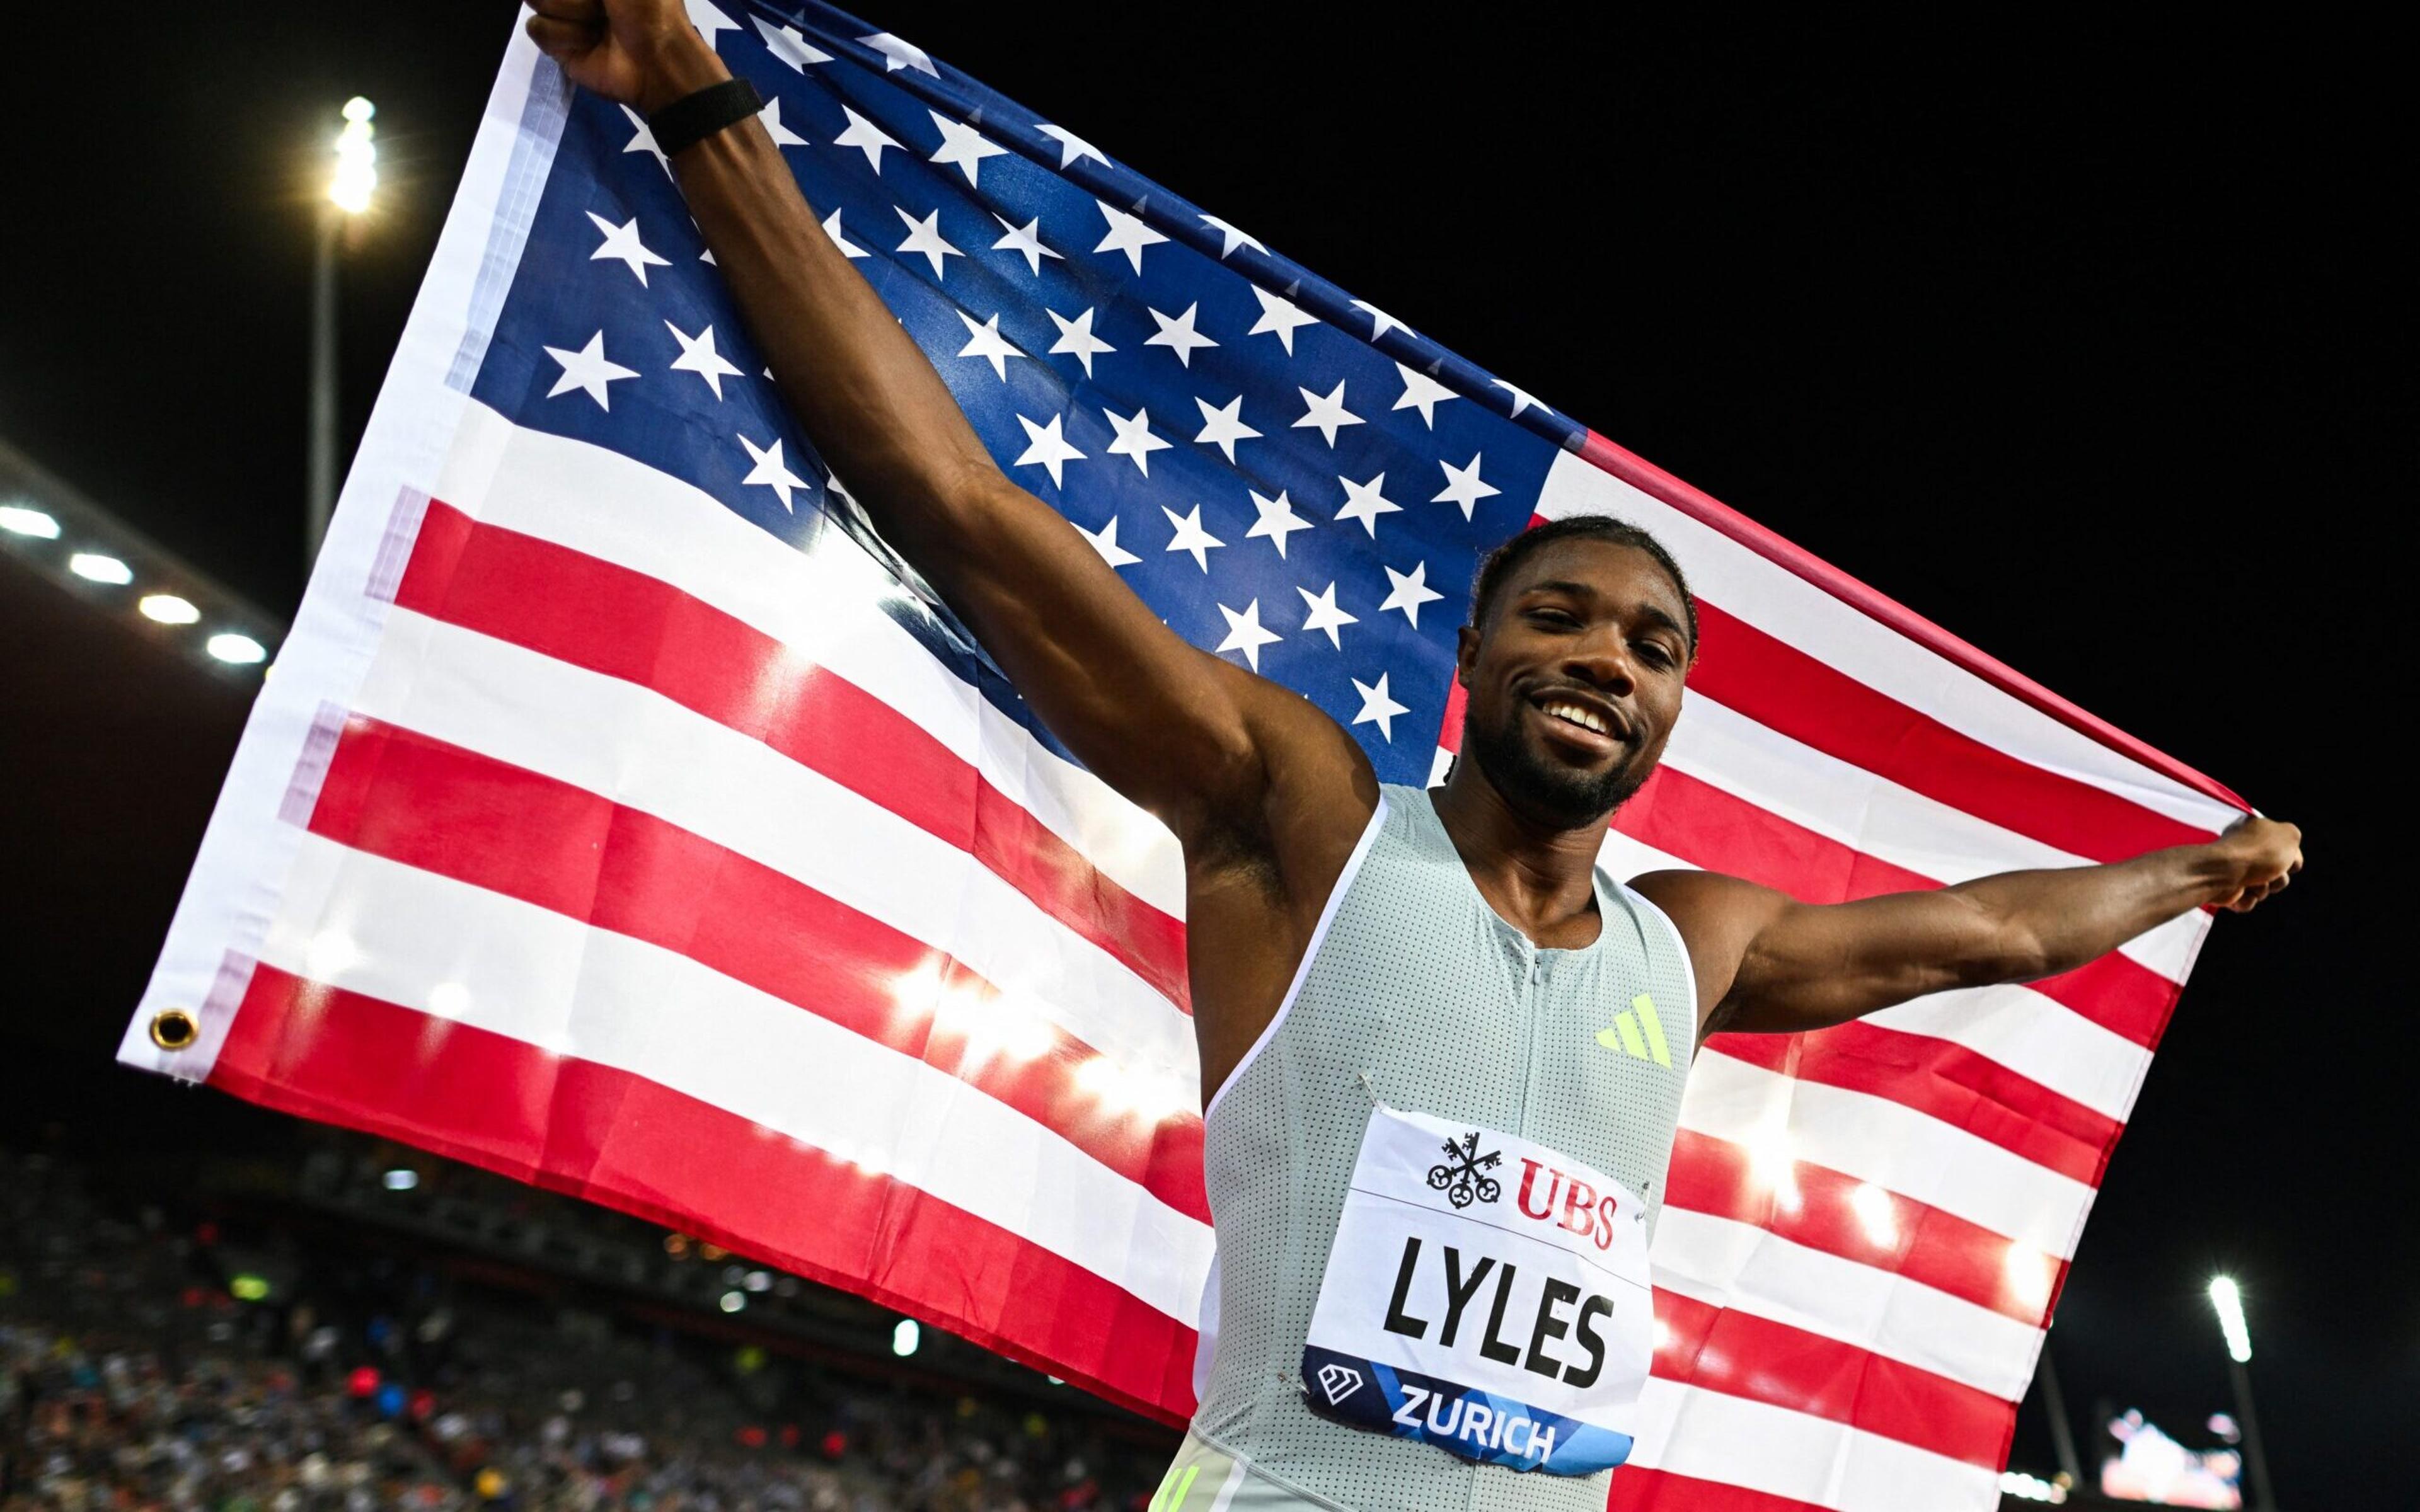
x=693, y=118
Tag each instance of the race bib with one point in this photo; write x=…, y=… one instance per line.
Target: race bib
x=1486, y=1295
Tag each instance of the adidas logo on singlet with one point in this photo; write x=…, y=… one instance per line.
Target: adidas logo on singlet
x=1637, y=1033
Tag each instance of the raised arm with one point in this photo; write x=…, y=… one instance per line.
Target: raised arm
x=1187, y=736
x=1767, y=965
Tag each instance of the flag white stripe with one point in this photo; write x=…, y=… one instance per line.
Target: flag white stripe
x=1686, y=1431
x=822, y=603
x=1888, y=1144
x=358, y=922
x=1878, y=818
x=629, y=744
x=1732, y=1264
x=2039, y=1039
x=1789, y=608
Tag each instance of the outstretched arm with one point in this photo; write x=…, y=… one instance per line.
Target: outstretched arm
x=1768, y=965
x=1187, y=736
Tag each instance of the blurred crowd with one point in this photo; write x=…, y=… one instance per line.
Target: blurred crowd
x=153, y=1359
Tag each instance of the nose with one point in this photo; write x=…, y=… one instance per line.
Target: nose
x=1601, y=659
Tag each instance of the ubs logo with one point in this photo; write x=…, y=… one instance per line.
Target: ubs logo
x=1461, y=1175
x=1583, y=1210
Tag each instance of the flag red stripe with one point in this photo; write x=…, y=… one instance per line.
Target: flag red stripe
x=1939, y=1077
x=1929, y=1247
x=1684, y=816
x=1637, y=1489
x=1803, y=697
x=426, y=804
x=1702, y=506
x=1742, y=1354
x=606, y=1135
x=608, y=619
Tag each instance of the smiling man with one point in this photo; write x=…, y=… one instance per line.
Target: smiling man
x=1442, y=1051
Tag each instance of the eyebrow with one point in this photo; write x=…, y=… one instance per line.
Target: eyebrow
x=1581, y=590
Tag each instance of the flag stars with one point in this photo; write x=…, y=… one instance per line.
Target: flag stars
x=1224, y=426
x=1324, y=615
x=1025, y=240
x=1380, y=322
x=785, y=42
x=1127, y=234
x=1326, y=413
x=898, y=53
x=1421, y=392
x=984, y=341
x=1176, y=333
x=588, y=371
x=1071, y=147
x=1048, y=448
x=698, y=356
x=1233, y=238
x=963, y=146
x=622, y=245
x=1464, y=486
x=1280, y=317
x=1246, y=634
x=1365, y=502
x=1377, y=706
x=1076, y=337
x=1135, y=440
x=782, y=136
x=848, y=248
x=1104, y=541
x=1191, y=536
x=865, y=136
x=1276, y=521
x=1523, y=399
x=925, y=237
x=708, y=20
x=770, y=470
x=644, y=140
x=1409, y=591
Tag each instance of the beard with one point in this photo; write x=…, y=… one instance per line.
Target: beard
x=1543, y=789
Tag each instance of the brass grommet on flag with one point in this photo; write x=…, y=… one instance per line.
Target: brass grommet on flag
x=172, y=1029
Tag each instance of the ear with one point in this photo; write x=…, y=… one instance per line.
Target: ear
x=1466, y=653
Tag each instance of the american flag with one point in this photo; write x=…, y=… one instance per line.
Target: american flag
x=623, y=816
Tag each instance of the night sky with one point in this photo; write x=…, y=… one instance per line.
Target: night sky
x=2093, y=347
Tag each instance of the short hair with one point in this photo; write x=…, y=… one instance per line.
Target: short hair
x=1498, y=565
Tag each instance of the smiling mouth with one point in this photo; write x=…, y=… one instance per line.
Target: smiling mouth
x=1581, y=717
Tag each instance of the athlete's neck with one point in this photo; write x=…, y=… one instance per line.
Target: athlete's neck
x=1539, y=879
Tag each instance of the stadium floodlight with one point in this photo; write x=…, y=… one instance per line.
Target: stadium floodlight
x=93, y=567
x=2018, y=1483
x=19, y=519
x=2228, y=1299
x=905, y=1337
x=356, y=177
x=401, y=1179
x=243, y=649
x=168, y=609
x=734, y=1300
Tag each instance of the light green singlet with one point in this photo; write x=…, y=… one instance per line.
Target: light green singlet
x=1417, y=994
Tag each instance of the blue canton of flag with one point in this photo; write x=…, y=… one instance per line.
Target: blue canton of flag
x=1288, y=476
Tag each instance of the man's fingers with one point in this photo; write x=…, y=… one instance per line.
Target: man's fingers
x=558, y=38
x=584, y=12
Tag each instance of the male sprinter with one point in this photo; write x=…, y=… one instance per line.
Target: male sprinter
x=1431, y=1183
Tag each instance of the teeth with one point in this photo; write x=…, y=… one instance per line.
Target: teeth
x=1575, y=715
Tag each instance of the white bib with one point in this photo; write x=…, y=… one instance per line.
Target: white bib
x=1486, y=1295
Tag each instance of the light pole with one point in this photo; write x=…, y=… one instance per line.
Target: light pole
x=348, y=195
x=2228, y=1299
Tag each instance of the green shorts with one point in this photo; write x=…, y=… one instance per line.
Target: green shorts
x=1206, y=1478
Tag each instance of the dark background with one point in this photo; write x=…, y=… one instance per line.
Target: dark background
x=2093, y=347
